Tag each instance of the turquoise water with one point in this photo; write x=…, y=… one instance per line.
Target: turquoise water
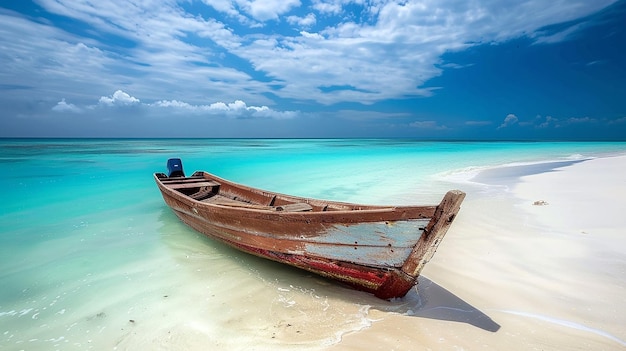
x=87, y=243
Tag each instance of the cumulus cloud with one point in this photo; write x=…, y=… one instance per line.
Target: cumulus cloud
x=63, y=106
x=311, y=35
x=119, y=98
x=329, y=6
x=174, y=104
x=509, y=120
x=238, y=105
x=306, y=21
x=264, y=10
x=541, y=122
x=236, y=109
x=548, y=122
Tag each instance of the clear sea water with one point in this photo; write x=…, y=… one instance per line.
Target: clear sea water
x=91, y=257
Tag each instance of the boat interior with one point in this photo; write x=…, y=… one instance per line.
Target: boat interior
x=202, y=187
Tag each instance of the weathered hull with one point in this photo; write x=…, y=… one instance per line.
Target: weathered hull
x=373, y=248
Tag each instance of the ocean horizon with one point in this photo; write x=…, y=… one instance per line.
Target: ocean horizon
x=91, y=256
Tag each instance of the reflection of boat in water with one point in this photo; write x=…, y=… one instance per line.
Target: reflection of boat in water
x=379, y=249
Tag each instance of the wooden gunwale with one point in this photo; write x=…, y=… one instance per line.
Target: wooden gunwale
x=361, y=210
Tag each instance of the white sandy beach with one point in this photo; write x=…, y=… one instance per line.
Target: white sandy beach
x=512, y=275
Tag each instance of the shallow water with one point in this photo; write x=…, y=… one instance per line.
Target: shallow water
x=91, y=258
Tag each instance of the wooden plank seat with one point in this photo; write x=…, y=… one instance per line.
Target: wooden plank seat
x=192, y=185
x=177, y=180
x=226, y=201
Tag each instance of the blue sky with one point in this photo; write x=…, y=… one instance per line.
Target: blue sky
x=431, y=69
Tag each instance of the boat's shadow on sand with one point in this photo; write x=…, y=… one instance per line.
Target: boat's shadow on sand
x=435, y=302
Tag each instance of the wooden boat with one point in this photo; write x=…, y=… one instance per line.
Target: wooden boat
x=379, y=249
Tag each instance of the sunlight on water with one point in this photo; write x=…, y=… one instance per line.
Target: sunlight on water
x=92, y=257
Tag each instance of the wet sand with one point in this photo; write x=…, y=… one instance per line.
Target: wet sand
x=538, y=264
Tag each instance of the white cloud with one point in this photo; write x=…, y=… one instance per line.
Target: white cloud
x=509, y=120
x=174, y=104
x=53, y=62
x=544, y=122
x=236, y=109
x=305, y=22
x=375, y=50
x=63, y=106
x=311, y=35
x=549, y=121
x=264, y=10
x=224, y=6
x=395, y=53
x=329, y=6
x=427, y=125
x=543, y=38
x=119, y=98
x=232, y=106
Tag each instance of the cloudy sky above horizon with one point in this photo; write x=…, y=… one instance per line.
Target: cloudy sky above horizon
x=446, y=69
